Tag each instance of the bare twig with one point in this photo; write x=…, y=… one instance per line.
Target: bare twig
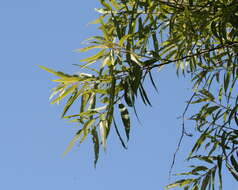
x=182, y=135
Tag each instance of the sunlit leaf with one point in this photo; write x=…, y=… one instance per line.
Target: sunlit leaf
x=70, y=101
x=103, y=132
x=65, y=93
x=57, y=73
x=94, y=57
x=72, y=143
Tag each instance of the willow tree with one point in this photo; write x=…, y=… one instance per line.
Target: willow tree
x=198, y=37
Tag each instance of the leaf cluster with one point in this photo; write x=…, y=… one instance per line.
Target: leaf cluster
x=198, y=37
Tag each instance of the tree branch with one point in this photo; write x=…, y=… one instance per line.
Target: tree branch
x=189, y=56
x=182, y=135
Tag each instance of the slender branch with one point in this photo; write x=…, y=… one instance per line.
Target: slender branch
x=189, y=56
x=182, y=135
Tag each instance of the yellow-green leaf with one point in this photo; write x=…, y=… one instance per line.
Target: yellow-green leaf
x=65, y=93
x=72, y=143
x=115, y=4
x=90, y=47
x=57, y=73
x=123, y=39
x=94, y=57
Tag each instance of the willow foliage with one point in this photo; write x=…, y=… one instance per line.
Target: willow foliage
x=199, y=37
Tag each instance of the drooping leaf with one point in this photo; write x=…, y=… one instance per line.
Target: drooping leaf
x=96, y=145
x=180, y=183
x=70, y=101
x=219, y=164
x=205, y=181
x=103, y=132
x=232, y=171
x=125, y=119
x=91, y=47
x=94, y=57
x=72, y=143
x=119, y=135
x=65, y=93
x=234, y=163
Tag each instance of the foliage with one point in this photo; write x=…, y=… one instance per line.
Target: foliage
x=199, y=37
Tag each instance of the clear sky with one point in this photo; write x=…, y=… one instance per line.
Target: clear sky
x=33, y=137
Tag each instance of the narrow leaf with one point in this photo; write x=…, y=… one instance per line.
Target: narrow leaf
x=65, y=93
x=94, y=57
x=125, y=119
x=57, y=73
x=72, y=143
x=96, y=145
x=103, y=132
x=119, y=135
x=234, y=163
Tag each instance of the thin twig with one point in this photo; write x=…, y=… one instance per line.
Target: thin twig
x=189, y=56
x=182, y=135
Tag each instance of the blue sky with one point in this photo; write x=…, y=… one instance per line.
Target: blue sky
x=33, y=137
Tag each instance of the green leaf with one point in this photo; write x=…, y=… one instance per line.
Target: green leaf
x=226, y=81
x=106, y=5
x=201, y=100
x=214, y=30
x=152, y=81
x=211, y=109
x=112, y=93
x=199, y=168
x=136, y=59
x=144, y=95
x=207, y=159
x=70, y=101
x=186, y=182
x=84, y=100
x=205, y=181
x=90, y=47
x=232, y=171
x=57, y=73
x=119, y=135
x=219, y=164
x=103, y=126
x=125, y=119
x=155, y=42
x=123, y=39
x=175, y=184
x=115, y=4
x=180, y=183
x=207, y=93
x=72, y=143
x=96, y=145
x=68, y=80
x=213, y=178
x=92, y=101
x=86, y=130
x=65, y=93
x=234, y=163
x=236, y=119
x=95, y=57
x=199, y=142
x=87, y=114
